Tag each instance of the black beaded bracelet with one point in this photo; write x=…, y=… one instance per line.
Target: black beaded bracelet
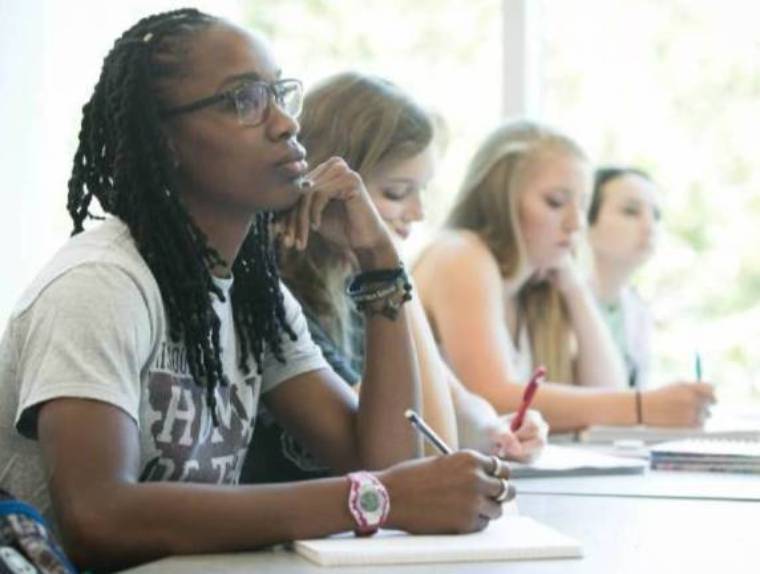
x=381, y=291
x=374, y=278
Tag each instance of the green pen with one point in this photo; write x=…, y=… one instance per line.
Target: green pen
x=698, y=366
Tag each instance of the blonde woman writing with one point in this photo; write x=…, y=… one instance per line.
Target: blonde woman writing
x=502, y=292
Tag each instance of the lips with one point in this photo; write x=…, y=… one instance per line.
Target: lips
x=296, y=168
x=293, y=164
x=402, y=232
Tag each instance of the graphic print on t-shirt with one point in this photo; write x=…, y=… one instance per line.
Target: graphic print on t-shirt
x=190, y=448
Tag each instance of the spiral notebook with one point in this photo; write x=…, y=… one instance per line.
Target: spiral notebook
x=512, y=537
x=707, y=455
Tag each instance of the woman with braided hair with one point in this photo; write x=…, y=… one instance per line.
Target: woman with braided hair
x=132, y=367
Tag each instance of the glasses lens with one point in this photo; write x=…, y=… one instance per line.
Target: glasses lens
x=290, y=96
x=251, y=101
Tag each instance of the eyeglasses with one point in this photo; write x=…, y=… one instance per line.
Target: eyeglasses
x=251, y=101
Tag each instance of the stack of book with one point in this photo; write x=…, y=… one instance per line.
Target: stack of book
x=707, y=455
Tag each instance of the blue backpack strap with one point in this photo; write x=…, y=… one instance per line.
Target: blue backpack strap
x=18, y=507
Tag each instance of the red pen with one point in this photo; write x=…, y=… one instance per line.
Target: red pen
x=530, y=390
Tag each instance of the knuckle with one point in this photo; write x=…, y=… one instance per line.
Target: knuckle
x=470, y=457
x=352, y=177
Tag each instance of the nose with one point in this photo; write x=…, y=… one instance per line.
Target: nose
x=651, y=230
x=415, y=210
x=280, y=124
x=650, y=223
x=574, y=218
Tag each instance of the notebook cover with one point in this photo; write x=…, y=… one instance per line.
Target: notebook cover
x=512, y=537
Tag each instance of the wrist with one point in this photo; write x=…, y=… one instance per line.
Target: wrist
x=646, y=406
x=368, y=502
x=394, y=520
x=572, y=288
x=380, y=291
x=383, y=256
x=639, y=400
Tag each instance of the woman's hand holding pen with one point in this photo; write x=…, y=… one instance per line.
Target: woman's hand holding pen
x=524, y=444
x=492, y=435
x=680, y=404
x=455, y=493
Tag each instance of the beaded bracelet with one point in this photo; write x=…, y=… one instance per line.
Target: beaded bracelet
x=381, y=291
x=362, y=281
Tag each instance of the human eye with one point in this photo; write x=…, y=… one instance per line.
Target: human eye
x=394, y=193
x=250, y=98
x=631, y=210
x=554, y=200
x=285, y=91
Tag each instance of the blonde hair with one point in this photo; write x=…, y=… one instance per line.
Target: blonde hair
x=366, y=120
x=487, y=205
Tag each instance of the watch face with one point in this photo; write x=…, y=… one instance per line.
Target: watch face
x=369, y=501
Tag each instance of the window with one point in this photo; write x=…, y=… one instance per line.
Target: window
x=674, y=87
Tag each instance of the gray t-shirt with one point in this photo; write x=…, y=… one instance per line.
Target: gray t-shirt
x=92, y=325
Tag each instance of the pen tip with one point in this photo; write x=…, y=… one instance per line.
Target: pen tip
x=409, y=413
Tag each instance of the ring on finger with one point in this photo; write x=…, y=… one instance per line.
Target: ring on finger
x=495, y=468
x=504, y=493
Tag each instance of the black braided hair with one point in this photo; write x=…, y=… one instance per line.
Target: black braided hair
x=123, y=161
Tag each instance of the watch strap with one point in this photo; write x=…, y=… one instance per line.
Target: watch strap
x=368, y=502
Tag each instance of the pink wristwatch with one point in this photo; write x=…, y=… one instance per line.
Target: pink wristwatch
x=368, y=502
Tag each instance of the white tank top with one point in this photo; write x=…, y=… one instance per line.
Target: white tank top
x=520, y=357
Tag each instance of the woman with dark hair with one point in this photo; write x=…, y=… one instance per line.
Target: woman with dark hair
x=624, y=222
x=132, y=367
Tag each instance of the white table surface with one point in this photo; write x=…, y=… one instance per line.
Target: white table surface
x=619, y=535
x=651, y=484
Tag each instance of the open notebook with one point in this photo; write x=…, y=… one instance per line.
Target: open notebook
x=710, y=455
x=568, y=461
x=512, y=537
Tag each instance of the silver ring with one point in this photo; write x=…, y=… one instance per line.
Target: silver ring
x=495, y=469
x=504, y=492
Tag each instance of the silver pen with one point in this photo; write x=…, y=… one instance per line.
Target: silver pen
x=427, y=432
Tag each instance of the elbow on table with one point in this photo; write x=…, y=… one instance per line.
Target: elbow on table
x=96, y=538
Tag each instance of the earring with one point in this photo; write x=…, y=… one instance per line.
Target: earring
x=173, y=153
